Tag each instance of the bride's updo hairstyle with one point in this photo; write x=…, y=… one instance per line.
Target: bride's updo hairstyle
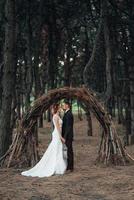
x=55, y=108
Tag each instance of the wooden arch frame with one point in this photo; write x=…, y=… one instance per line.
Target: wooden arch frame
x=24, y=151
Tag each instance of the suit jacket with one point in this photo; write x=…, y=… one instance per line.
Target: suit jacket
x=67, y=126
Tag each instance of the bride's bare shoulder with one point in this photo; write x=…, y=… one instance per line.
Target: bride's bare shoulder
x=55, y=116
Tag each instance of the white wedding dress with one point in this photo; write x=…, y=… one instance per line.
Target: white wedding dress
x=52, y=161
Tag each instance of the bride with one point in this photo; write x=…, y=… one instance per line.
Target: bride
x=52, y=161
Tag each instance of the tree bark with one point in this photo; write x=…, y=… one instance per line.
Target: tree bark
x=131, y=77
x=29, y=74
x=1, y=76
x=67, y=67
x=89, y=121
x=8, y=77
x=108, y=50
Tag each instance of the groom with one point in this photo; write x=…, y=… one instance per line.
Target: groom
x=67, y=134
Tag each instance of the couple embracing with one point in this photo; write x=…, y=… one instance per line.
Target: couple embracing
x=53, y=161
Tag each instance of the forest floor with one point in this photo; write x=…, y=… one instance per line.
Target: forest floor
x=87, y=182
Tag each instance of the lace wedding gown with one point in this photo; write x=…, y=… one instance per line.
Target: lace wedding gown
x=52, y=161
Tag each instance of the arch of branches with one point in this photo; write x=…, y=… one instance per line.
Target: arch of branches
x=24, y=148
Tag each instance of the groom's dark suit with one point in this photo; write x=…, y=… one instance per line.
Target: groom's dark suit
x=67, y=134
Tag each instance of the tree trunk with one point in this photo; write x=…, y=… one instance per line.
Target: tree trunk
x=8, y=77
x=53, y=46
x=108, y=50
x=89, y=121
x=131, y=76
x=29, y=74
x=120, y=110
x=79, y=111
x=1, y=76
x=38, y=44
x=67, y=67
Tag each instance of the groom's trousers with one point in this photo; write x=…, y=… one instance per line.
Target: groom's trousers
x=70, y=155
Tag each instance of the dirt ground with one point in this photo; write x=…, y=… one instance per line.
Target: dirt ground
x=87, y=182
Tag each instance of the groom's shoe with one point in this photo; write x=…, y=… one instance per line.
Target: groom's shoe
x=69, y=171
